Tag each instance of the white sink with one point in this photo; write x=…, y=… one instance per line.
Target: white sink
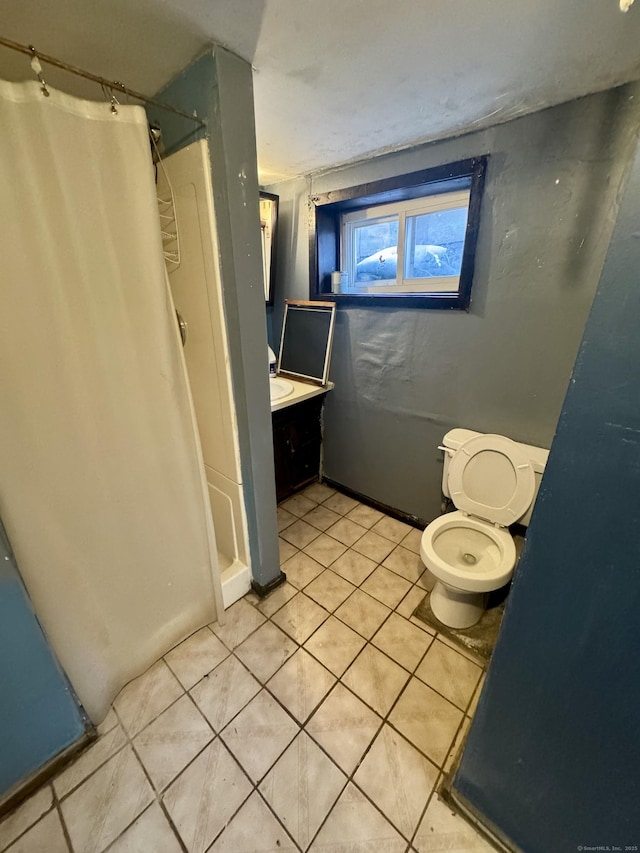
x=279, y=388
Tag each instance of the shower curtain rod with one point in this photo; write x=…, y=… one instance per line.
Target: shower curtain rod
x=112, y=85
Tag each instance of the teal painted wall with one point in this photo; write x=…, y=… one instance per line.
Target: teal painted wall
x=405, y=377
x=553, y=753
x=218, y=86
x=39, y=715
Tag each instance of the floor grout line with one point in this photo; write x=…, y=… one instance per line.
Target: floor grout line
x=384, y=719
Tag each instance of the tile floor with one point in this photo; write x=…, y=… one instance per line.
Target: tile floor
x=320, y=719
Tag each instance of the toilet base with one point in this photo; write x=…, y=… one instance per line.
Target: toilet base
x=455, y=608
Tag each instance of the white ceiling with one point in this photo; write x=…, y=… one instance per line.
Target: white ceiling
x=338, y=80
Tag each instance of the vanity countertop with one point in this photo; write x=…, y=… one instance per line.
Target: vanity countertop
x=301, y=391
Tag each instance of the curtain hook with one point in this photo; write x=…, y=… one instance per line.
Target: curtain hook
x=108, y=93
x=37, y=70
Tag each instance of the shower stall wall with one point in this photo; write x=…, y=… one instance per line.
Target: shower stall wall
x=196, y=285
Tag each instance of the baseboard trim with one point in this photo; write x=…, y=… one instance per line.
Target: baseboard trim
x=262, y=590
x=458, y=803
x=413, y=520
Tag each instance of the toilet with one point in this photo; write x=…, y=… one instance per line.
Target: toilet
x=493, y=483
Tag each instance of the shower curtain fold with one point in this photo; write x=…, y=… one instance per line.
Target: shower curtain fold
x=101, y=476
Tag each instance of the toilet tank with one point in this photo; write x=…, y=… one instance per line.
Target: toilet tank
x=455, y=438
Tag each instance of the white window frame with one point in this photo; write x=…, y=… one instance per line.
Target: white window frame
x=449, y=284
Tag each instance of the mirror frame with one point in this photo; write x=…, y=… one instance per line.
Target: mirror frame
x=269, y=234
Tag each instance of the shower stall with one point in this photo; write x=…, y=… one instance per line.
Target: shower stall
x=184, y=185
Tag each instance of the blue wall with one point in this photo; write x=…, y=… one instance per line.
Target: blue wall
x=219, y=87
x=553, y=756
x=404, y=377
x=39, y=715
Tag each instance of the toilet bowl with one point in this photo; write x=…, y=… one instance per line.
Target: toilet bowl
x=470, y=552
x=468, y=558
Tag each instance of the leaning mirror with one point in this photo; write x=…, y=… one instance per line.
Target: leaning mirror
x=268, y=226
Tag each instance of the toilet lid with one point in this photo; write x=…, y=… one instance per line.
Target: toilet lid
x=491, y=477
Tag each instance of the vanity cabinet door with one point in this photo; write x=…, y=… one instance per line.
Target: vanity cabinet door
x=297, y=437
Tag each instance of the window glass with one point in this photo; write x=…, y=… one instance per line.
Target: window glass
x=376, y=250
x=410, y=246
x=434, y=243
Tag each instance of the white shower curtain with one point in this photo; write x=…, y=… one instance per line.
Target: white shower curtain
x=101, y=479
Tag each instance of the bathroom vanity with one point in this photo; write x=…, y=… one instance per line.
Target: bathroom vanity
x=297, y=436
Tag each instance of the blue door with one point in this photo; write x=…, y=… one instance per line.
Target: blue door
x=39, y=715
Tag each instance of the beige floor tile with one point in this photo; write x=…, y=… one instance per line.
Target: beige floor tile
x=412, y=540
x=300, y=534
x=462, y=650
x=325, y=549
x=354, y=824
x=376, y=679
x=195, y=657
x=203, y=798
x=254, y=829
x=150, y=832
x=457, y=745
x=408, y=605
x=391, y=529
x=300, y=617
x=171, y=741
x=319, y=492
x=19, y=820
x=441, y=829
x=259, y=734
x=265, y=651
x=329, y=590
x=405, y=563
x=374, y=546
x=341, y=503
x=335, y=645
x=241, y=620
x=398, y=779
x=109, y=722
x=386, y=586
x=344, y=726
x=285, y=518
x=346, y=531
x=471, y=710
x=286, y=550
x=451, y=674
x=426, y=581
x=276, y=599
x=365, y=515
x=147, y=696
x=106, y=803
x=363, y=613
x=301, y=569
x=321, y=517
x=353, y=567
x=301, y=684
x=225, y=692
x=402, y=641
x=88, y=761
x=298, y=505
x=302, y=787
x=45, y=837
x=422, y=625
x=251, y=598
x=427, y=720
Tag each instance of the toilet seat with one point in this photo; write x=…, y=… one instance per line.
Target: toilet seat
x=491, y=478
x=493, y=568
